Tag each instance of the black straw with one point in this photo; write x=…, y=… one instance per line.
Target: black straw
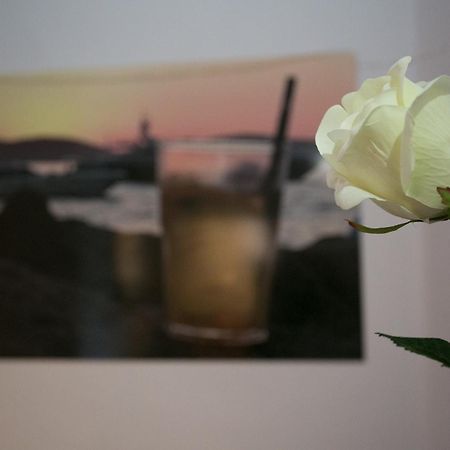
x=278, y=166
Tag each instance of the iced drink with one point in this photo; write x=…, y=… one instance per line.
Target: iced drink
x=218, y=253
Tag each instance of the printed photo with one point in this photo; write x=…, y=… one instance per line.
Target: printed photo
x=176, y=211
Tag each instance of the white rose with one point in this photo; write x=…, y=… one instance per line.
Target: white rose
x=390, y=142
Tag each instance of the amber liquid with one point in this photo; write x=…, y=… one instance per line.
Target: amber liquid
x=218, y=260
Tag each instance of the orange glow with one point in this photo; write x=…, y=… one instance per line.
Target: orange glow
x=198, y=100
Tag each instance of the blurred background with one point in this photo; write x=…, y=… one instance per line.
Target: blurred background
x=391, y=399
x=83, y=203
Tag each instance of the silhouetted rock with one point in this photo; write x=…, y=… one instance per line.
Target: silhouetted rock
x=140, y=162
x=303, y=154
x=47, y=148
x=68, y=288
x=303, y=157
x=63, y=274
x=38, y=314
x=316, y=301
x=31, y=236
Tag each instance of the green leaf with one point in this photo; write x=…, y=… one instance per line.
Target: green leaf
x=433, y=348
x=444, y=192
x=380, y=230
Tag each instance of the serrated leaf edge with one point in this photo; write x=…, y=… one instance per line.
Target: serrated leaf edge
x=445, y=362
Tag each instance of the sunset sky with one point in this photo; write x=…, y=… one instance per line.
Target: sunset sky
x=197, y=100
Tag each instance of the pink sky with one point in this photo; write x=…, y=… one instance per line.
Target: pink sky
x=195, y=100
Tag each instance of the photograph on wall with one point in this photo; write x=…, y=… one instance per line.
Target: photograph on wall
x=159, y=212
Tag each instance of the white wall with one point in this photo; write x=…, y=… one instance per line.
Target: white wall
x=433, y=56
x=385, y=402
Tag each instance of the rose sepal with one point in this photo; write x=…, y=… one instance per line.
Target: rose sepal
x=379, y=230
x=444, y=192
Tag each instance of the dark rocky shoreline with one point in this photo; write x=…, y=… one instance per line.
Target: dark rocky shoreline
x=64, y=294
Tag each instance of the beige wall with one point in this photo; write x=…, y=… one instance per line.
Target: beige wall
x=387, y=401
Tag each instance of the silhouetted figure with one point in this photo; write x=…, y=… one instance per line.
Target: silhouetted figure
x=140, y=161
x=144, y=128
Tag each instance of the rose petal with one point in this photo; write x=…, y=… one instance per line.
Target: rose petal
x=354, y=101
x=371, y=160
x=415, y=211
x=426, y=146
x=346, y=196
x=397, y=73
x=396, y=210
x=406, y=90
x=330, y=121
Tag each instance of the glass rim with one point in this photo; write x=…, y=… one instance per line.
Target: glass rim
x=222, y=144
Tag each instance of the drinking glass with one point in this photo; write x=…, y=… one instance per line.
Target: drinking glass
x=219, y=223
